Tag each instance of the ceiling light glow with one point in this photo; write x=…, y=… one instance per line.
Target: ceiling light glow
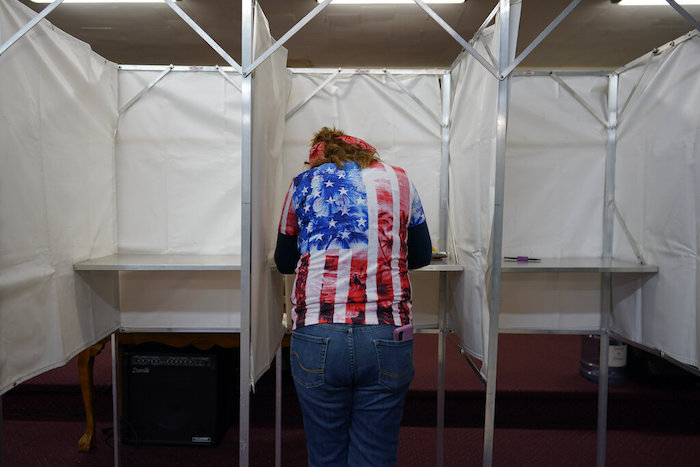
x=655, y=2
x=386, y=2
x=103, y=1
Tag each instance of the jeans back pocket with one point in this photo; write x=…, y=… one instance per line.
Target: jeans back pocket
x=307, y=356
x=395, y=363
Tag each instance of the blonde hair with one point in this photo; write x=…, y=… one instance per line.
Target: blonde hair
x=338, y=151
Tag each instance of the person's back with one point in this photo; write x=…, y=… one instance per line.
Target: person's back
x=351, y=227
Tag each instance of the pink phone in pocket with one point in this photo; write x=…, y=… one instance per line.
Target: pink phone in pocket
x=403, y=333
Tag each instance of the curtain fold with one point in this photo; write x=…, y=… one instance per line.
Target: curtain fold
x=657, y=194
x=57, y=196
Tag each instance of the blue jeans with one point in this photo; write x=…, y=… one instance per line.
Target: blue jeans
x=351, y=381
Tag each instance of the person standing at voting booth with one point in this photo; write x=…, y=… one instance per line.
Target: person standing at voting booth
x=350, y=229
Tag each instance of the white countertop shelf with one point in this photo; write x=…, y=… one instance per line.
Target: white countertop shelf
x=143, y=262
x=446, y=264
x=577, y=265
x=151, y=262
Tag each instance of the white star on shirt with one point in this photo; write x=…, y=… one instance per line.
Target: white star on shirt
x=343, y=191
x=328, y=184
x=344, y=211
x=330, y=170
x=341, y=174
x=361, y=201
x=306, y=208
x=330, y=199
x=309, y=227
x=332, y=223
x=344, y=234
x=316, y=237
x=361, y=222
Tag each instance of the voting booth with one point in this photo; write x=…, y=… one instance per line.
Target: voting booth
x=146, y=198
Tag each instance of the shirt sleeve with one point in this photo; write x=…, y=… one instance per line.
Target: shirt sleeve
x=288, y=220
x=417, y=215
x=286, y=254
x=420, y=248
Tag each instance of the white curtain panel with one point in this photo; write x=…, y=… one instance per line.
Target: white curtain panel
x=179, y=163
x=657, y=179
x=472, y=158
x=57, y=196
x=271, y=82
x=555, y=183
x=179, y=192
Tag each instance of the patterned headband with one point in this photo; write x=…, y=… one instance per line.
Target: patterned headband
x=318, y=150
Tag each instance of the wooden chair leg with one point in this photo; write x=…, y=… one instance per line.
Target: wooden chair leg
x=86, y=363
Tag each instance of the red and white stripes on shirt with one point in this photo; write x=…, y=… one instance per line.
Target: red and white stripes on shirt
x=351, y=225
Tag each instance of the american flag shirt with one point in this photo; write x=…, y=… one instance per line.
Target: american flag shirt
x=351, y=228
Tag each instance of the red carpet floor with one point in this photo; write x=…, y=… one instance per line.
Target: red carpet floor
x=545, y=417
x=51, y=444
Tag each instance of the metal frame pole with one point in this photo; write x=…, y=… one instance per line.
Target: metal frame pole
x=2, y=439
x=415, y=98
x=278, y=407
x=116, y=422
x=497, y=233
x=207, y=38
x=442, y=331
x=485, y=24
x=228, y=78
x=541, y=36
x=27, y=27
x=650, y=57
x=455, y=35
x=579, y=99
x=684, y=13
x=603, y=373
x=303, y=102
x=246, y=233
x=116, y=438
x=148, y=87
x=497, y=236
x=446, y=83
x=606, y=280
x=250, y=67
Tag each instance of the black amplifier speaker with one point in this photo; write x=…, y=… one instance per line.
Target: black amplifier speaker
x=175, y=396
